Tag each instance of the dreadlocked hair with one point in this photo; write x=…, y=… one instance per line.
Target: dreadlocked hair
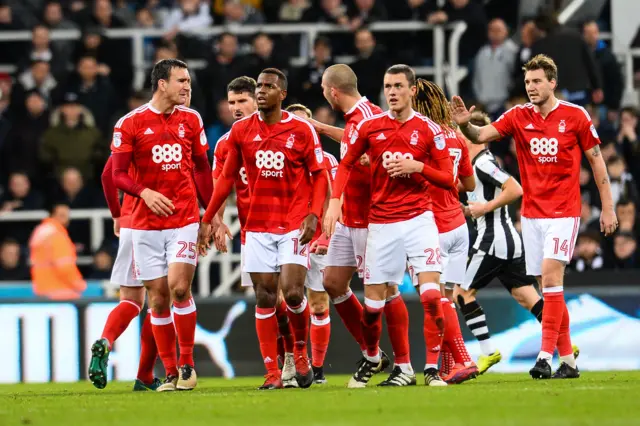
x=431, y=102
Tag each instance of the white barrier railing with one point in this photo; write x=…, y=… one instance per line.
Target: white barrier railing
x=309, y=33
x=96, y=217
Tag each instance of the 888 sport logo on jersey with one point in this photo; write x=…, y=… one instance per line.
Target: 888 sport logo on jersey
x=546, y=149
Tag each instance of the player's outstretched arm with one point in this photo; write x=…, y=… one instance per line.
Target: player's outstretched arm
x=462, y=116
x=608, y=219
x=202, y=178
x=511, y=191
x=335, y=133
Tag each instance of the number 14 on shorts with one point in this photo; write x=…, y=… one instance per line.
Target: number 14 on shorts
x=557, y=246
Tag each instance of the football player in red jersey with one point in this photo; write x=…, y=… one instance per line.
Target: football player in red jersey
x=320, y=331
x=241, y=99
x=165, y=145
x=431, y=101
x=550, y=136
x=401, y=225
x=279, y=151
x=346, y=251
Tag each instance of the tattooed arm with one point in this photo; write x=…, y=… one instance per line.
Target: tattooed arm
x=608, y=220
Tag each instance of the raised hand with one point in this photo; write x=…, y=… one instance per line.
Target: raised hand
x=459, y=112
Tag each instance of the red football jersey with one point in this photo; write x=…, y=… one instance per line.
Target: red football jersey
x=241, y=183
x=126, y=210
x=278, y=159
x=384, y=138
x=331, y=164
x=446, y=202
x=549, y=152
x=357, y=195
x=162, y=147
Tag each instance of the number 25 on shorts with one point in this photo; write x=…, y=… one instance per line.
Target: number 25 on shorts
x=184, y=247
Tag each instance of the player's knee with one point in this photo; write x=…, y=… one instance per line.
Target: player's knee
x=134, y=294
x=265, y=298
x=181, y=293
x=159, y=302
x=318, y=302
x=293, y=296
x=333, y=286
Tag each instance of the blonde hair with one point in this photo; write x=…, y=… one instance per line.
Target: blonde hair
x=545, y=63
x=479, y=118
x=299, y=107
x=431, y=102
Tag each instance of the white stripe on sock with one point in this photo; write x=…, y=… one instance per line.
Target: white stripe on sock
x=374, y=304
x=132, y=303
x=429, y=286
x=476, y=320
x=556, y=289
x=186, y=310
x=481, y=330
x=161, y=321
x=300, y=308
x=342, y=298
x=320, y=322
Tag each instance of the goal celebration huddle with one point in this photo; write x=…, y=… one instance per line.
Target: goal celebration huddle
x=310, y=222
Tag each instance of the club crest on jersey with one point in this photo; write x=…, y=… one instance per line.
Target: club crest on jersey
x=354, y=137
x=181, y=131
x=440, y=142
x=353, y=127
x=414, y=138
x=291, y=140
x=594, y=132
x=117, y=139
x=203, y=138
x=562, y=126
x=319, y=155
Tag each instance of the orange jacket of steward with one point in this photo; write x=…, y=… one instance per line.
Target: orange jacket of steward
x=53, y=262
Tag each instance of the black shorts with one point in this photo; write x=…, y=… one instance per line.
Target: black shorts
x=482, y=268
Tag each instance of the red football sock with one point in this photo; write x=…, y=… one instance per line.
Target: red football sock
x=564, y=336
x=148, y=351
x=299, y=319
x=320, y=333
x=398, y=327
x=433, y=326
x=446, y=360
x=184, y=316
x=284, y=327
x=350, y=311
x=552, y=315
x=372, y=325
x=452, y=334
x=267, y=331
x=119, y=319
x=164, y=334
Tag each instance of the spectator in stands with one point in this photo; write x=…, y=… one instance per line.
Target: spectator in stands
x=628, y=138
x=612, y=83
x=627, y=215
x=326, y=115
x=124, y=10
x=293, y=10
x=78, y=194
x=53, y=258
x=327, y=11
x=12, y=267
x=41, y=49
x=493, y=68
x=309, y=77
x=94, y=91
x=102, y=264
x=136, y=100
x=7, y=115
x=588, y=187
x=20, y=149
x=265, y=56
x=578, y=76
x=635, y=43
x=237, y=12
x=223, y=66
x=470, y=12
x=370, y=64
x=588, y=253
x=9, y=21
x=622, y=184
x=37, y=77
x=365, y=12
x=220, y=126
x=528, y=35
x=187, y=16
x=54, y=19
x=102, y=16
x=625, y=252
x=20, y=195
x=589, y=216
x=72, y=140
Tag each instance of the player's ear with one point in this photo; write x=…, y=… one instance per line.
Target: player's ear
x=283, y=94
x=413, y=90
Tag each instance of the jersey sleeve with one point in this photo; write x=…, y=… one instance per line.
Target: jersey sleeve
x=123, y=135
x=331, y=164
x=505, y=123
x=587, y=133
x=489, y=172
x=219, y=156
x=465, y=168
x=437, y=146
x=314, y=156
x=200, y=144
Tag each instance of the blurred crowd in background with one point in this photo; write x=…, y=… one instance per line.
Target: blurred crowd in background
x=58, y=108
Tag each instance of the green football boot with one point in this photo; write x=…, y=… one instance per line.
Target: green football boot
x=99, y=362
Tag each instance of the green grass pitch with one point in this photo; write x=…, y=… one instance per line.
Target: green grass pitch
x=603, y=399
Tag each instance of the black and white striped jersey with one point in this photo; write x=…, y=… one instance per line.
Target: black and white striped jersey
x=496, y=233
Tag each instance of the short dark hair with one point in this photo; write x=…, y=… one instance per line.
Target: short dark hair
x=625, y=201
x=631, y=110
x=403, y=69
x=162, y=71
x=9, y=240
x=322, y=40
x=53, y=205
x=614, y=159
x=243, y=84
x=282, y=78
